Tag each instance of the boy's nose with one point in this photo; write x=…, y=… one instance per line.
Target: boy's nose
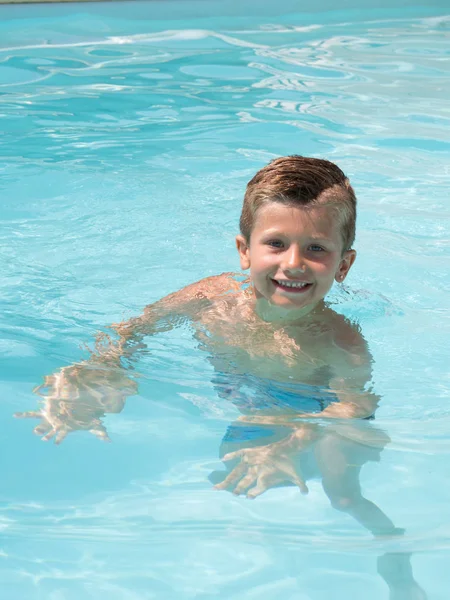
x=294, y=261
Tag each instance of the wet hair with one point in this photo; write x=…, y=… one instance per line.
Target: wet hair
x=303, y=182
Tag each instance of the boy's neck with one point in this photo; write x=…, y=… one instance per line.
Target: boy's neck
x=277, y=314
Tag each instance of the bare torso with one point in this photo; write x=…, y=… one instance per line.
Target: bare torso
x=312, y=351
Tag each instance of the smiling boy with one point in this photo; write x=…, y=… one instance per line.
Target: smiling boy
x=264, y=335
x=280, y=354
x=297, y=228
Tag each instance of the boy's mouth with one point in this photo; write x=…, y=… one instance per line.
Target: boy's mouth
x=295, y=287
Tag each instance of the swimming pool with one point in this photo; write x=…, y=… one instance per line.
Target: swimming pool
x=128, y=134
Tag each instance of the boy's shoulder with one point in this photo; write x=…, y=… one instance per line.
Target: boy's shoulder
x=217, y=285
x=213, y=286
x=348, y=339
x=193, y=296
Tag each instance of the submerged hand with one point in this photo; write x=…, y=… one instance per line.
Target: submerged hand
x=263, y=467
x=58, y=426
x=76, y=399
x=259, y=470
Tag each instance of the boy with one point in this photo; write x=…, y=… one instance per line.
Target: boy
x=271, y=334
x=279, y=352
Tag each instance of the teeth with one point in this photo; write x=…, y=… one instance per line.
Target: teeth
x=293, y=284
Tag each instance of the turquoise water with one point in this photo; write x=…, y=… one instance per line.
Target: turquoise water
x=128, y=133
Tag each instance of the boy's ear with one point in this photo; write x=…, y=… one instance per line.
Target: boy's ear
x=344, y=266
x=244, y=252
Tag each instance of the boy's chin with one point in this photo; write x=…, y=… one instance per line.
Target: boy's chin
x=275, y=309
x=292, y=300
x=293, y=306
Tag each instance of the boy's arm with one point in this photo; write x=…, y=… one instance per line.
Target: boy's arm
x=353, y=399
x=351, y=364
x=353, y=403
x=163, y=315
x=350, y=404
x=352, y=367
x=262, y=466
x=77, y=396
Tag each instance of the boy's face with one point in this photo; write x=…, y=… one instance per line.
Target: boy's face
x=294, y=254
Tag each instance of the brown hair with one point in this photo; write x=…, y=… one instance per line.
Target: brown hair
x=300, y=181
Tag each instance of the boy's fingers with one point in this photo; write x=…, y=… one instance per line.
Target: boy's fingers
x=101, y=434
x=266, y=481
x=49, y=435
x=301, y=484
x=244, y=484
x=31, y=414
x=60, y=436
x=235, y=454
x=42, y=428
x=295, y=478
x=234, y=476
x=262, y=485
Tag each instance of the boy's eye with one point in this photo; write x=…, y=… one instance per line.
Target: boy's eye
x=275, y=243
x=316, y=248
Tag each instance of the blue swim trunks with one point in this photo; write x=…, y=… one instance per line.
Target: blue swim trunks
x=257, y=395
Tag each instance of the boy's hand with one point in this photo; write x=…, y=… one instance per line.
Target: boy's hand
x=77, y=397
x=264, y=467
x=58, y=426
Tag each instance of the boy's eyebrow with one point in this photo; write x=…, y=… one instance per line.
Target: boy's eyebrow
x=273, y=232
x=321, y=239
x=269, y=232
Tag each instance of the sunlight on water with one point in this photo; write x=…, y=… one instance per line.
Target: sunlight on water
x=128, y=136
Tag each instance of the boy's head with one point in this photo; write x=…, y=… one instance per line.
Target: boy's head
x=297, y=229
x=301, y=182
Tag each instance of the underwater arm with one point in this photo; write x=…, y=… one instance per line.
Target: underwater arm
x=353, y=403
x=166, y=314
x=77, y=396
x=351, y=363
x=159, y=317
x=354, y=398
x=350, y=405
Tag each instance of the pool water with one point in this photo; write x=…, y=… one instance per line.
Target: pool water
x=128, y=133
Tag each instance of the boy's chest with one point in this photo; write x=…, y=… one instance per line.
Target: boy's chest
x=281, y=354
